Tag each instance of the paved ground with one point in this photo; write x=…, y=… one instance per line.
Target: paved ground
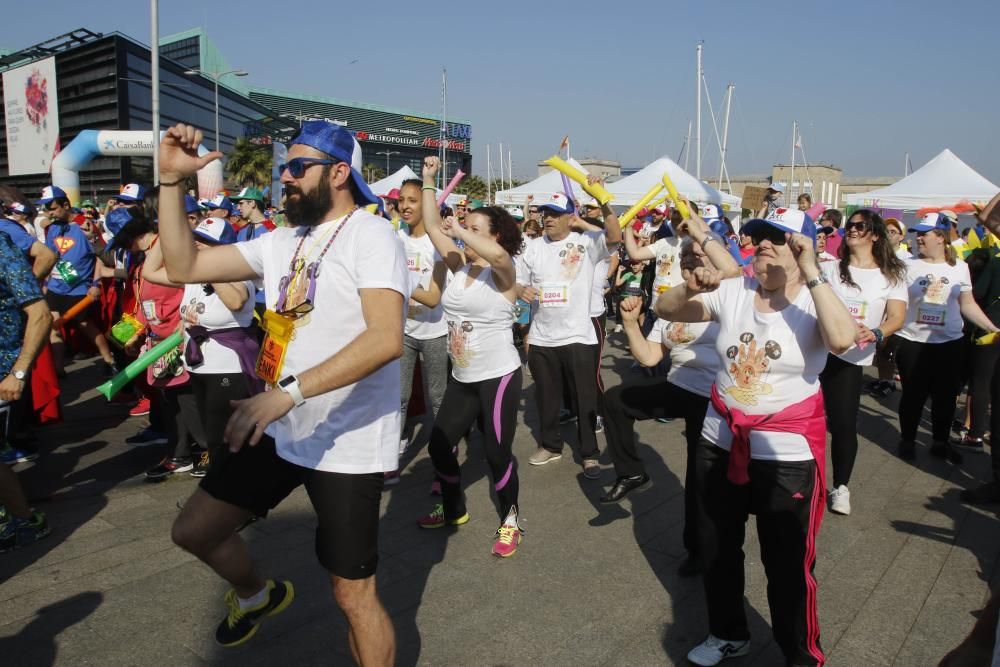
x=900, y=579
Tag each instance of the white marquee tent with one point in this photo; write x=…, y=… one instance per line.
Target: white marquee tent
x=944, y=181
x=547, y=183
x=631, y=189
x=391, y=181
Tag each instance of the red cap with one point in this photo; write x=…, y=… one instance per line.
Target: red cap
x=392, y=194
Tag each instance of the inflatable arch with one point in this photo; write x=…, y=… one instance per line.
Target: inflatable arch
x=92, y=143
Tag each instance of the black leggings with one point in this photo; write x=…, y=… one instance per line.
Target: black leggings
x=624, y=405
x=212, y=392
x=934, y=370
x=841, y=383
x=495, y=401
x=180, y=416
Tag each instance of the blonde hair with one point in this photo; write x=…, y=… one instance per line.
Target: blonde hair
x=950, y=254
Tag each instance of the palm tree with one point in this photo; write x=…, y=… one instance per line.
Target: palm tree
x=249, y=165
x=373, y=172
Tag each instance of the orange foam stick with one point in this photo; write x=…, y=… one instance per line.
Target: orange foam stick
x=77, y=308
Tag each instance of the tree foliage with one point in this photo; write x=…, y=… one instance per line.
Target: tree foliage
x=249, y=164
x=373, y=172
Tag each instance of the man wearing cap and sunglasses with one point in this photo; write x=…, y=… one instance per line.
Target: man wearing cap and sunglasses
x=336, y=278
x=39, y=255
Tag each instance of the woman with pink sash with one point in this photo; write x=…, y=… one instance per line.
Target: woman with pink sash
x=763, y=442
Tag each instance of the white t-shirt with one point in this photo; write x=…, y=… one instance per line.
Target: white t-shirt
x=208, y=311
x=667, y=253
x=354, y=429
x=768, y=362
x=480, y=336
x=422, y=322
x=866, y=303
x=933, y=314
x=694, y=363
x=597, y=302
x=563, y=273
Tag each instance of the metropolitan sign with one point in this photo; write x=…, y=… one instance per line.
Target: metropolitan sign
x=29, y=97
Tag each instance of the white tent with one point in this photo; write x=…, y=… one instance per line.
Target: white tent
x=944, y=181
x=631, y=189
x=545, y=184
x=392, y=181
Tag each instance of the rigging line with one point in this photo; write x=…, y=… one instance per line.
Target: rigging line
x=745, y=134
x=711, y=112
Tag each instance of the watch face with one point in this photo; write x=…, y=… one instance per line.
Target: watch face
x=287, y=381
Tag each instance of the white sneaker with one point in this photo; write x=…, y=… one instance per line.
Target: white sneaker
x=840, y=500
x=599, y=427
x=619, y=328
x=713, y=650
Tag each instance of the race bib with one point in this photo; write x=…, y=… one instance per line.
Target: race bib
x=930, y=314
x=413, y=262
x=149, y=310
x=554, y=296
x=858, y=308
x=277, y=335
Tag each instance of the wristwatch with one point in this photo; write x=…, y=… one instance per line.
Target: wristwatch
x=818, y=280
x=290, y=385
x=19, y=375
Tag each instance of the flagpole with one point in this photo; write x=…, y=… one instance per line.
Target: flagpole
x=489, y=185
x=791, y=179
x=510, y=168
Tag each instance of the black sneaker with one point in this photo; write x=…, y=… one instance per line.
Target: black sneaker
x=884, y=388
x=169, y=466
x=200, y=468
x=907, y=450
x=566, y=416
x=240, y=625
x=943, y=450
x=987, y=494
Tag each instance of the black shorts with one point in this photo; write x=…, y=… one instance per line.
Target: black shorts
x=60, y=303
x=347, y=505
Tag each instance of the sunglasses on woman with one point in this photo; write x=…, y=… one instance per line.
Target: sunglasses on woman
x=768, y=233
x=861, y=226
x=297, y=166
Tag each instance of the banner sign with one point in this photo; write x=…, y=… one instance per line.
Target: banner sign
x=32, y=112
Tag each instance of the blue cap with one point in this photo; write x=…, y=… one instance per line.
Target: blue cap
x=790, y=220
x=556, y=201
x=933, y=221
x=51, y=193
x=338, y=142
x=117, y=219
x=215, y=231
x=219, y=201
x=191, y=205
x=131, y=192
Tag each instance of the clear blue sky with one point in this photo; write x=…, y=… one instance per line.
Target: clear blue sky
x=867, y=80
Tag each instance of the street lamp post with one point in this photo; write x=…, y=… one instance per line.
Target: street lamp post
x=387, y=153
x=215, y=76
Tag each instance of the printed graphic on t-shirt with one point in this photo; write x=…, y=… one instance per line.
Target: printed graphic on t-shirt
x=679, y=333
x=571, y=258
x=749, y=368
x=459, y=335
x=64, y=244
x=191, y=311
x=664, y=263
x=932, y=309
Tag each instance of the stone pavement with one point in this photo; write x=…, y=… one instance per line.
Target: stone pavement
x=900, y=579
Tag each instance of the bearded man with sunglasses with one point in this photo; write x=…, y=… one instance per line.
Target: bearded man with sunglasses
x=336, y=279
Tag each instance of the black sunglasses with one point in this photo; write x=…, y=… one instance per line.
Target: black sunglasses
x=52, y=206
x=768, y=233
x=861, y=226
x=297, y=166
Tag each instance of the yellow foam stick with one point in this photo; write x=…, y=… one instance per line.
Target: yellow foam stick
x=653, y=204
x=596, y=190
x=988, y=339
x=678, y=202
x=639, y=205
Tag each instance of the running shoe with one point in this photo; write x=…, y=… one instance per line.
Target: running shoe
x=566, y=416
x=508, y=539
x=16, y=532
x=591, y=469
x=619, y=328
x=200, y=468
x=13, y=455
x=436, y=519
x=543, y=456
x=883, y=389
x=599, y=426
x=664, y=420
x=840, y=500
x=240, y=625
x=968, y=442
x=170, y=466
x=141, y=408
x=147, y=437
x=907, y=450
x=713, y=650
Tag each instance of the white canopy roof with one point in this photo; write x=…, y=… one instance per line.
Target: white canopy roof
x=631, y=189
x=944, y=181
x=547, y=183
x=392, y=181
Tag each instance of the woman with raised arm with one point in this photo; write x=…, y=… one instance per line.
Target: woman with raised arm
x=871, y=281
x=486, y=368
x=764, y=438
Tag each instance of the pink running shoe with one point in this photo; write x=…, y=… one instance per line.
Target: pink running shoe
x=508, y=539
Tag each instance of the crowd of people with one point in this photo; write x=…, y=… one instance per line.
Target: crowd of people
x=304, y=329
